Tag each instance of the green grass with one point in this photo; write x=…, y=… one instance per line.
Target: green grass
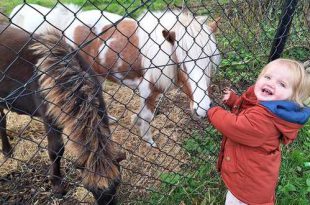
x=245, y=52
x=294, y=185
x=120, y=6
x=199, y=182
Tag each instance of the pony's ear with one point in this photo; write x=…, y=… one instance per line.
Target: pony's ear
x=169, y=36
x=214, y=24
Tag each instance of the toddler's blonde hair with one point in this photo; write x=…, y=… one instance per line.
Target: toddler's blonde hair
x=300, y=79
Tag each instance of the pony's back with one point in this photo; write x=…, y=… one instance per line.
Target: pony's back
x=39, y=19
x=93, y=20
x=18, y=80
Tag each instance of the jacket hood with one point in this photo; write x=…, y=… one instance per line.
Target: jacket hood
x=289, y=117
x=288, y=111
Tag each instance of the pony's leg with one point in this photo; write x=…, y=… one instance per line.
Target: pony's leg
x=146, y=114
x=145, y=126
x=136, y=120
x=6, y=147
x=55, y=152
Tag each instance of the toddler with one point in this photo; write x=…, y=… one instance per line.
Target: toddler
x=267, y=114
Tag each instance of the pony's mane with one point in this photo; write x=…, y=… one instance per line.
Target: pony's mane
x=156, y=51
x=73, y=98
x=193, y=30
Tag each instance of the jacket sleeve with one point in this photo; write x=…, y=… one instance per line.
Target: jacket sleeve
x=250, y=128
x=232, y=99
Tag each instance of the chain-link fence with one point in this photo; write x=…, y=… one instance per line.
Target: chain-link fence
x=161, y=65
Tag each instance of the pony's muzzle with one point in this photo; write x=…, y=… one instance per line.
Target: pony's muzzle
x=199, y=113
x=212, y=104
x=196, y=114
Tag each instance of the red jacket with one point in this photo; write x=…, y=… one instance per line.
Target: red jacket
x=250, y=156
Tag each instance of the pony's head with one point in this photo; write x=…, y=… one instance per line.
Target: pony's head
x=196, y=54
x=178, y=47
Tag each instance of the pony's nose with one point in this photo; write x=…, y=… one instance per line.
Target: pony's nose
x=195, y=112
x=212, y=104
x=197, y=115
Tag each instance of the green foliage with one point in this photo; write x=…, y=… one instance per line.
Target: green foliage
x=294, y=183
x=199, y=182
x=301, y=53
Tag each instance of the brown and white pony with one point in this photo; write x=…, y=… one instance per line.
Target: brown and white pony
x=52, y=82
x=158, y=51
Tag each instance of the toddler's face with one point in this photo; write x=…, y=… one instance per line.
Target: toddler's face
x=275, y=84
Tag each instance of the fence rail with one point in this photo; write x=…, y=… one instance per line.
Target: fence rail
x=161, y=66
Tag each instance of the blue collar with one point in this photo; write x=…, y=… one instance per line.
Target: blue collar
x=288, y=110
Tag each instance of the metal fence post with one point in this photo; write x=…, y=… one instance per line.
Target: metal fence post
x=283, y=29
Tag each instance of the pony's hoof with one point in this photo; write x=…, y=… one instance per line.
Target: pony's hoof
x=135, y=120
x=112, y=120
x=151, y=143
x=59, y=191
x=8, y=153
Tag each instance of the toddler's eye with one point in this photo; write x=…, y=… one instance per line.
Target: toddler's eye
x=283, y=85
x=267, y=77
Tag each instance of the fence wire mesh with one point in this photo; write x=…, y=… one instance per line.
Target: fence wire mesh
x=160, y=63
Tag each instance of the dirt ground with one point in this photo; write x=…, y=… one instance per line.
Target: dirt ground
x=24, y=180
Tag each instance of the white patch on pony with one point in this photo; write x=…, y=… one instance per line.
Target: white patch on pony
x=103, y=50
x=98, y=19
x=94, y=19
x=133, y=84
x=144, y=90
x=145, y=116
x=30, y=17
x=20, y=16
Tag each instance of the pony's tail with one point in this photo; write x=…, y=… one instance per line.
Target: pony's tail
x=74, y=100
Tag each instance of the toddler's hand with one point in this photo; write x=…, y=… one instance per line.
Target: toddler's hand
x=226, y=95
